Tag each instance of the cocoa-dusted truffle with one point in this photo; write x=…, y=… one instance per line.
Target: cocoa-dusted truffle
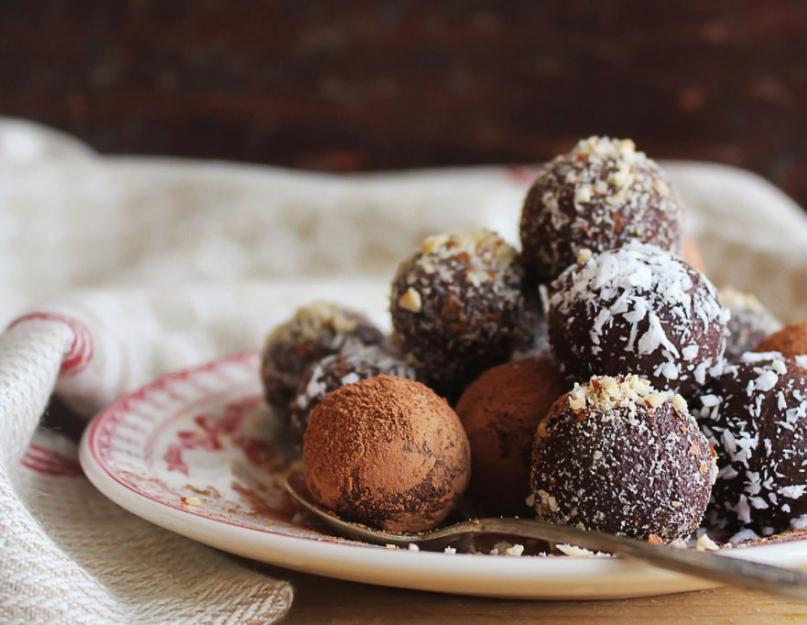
x=750, y=322
x=500, y=411
x=790, y=341
x=350, y=365
x=639, y=310
x=458, y=307
x=598, y=197
x=755, y=414
x=315, y=331
x=386, y=452
x=618, y=456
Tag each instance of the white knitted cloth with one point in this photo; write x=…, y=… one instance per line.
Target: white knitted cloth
x=138, y=267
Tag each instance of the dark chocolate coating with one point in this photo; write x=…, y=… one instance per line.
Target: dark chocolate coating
x=315, y=331
x=755, y=414
x=750, y=322
x=638, y=310
x=634, y=466
x=458, y=307
x=350, y=365
x=599, y=196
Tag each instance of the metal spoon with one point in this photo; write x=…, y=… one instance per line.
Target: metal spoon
x=719, y=568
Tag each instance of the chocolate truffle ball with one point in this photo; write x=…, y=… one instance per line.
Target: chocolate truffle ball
x=350, y=365
x=618, y=456
x=750, y=322
x=386, y=452
x=638, y=310
x=755, y=414
x=598, y=197
x=790, y=341
x=500, y=411
x=315, y=331
x=458, y=307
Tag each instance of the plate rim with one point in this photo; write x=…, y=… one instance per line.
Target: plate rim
x=324, y=557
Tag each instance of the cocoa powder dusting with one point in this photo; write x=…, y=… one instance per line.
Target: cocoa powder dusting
x=790, y=341
x=500, y=412
x=387, y=452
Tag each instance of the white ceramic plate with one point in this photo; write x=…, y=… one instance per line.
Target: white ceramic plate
x=196, y=452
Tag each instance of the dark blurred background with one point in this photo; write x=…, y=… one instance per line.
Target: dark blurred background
x=361, y=85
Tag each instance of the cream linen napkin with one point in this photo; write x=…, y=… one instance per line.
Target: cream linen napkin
x=151, y=265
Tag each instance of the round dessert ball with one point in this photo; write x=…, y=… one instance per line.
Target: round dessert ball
x=755, y=414
x=638, y=310
x=458, y=307
x=386, y=452
x=790, y=341
x=352, y=364
x=500, y=411
x=750, y=322
x=618, y=456
x=598, y=197
x=315, y=331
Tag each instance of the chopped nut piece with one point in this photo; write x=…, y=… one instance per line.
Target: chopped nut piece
x=433, y=243
x=515, y=550
x=680, y=404
x=583, y=256
x=654, y=400
x=410, y=301
x=661, y=187
x=705, y=543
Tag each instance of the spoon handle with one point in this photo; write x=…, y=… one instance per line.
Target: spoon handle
x=720, y=568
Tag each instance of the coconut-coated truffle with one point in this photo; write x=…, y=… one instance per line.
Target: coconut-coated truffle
x=500, y=411
x=599, y=196
x=750, y=322
x=638, y=310
x=458, y=307
x=618, y=456
x=350, y=365
x=386, y=452
x=790, y=341
x=755, y=414
x=315, y=331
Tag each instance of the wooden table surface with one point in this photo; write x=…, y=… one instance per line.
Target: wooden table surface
x=324, y=601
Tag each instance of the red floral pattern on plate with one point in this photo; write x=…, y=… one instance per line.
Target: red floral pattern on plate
x=202, y=441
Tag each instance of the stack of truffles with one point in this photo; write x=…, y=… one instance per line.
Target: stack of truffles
x=595, y=378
